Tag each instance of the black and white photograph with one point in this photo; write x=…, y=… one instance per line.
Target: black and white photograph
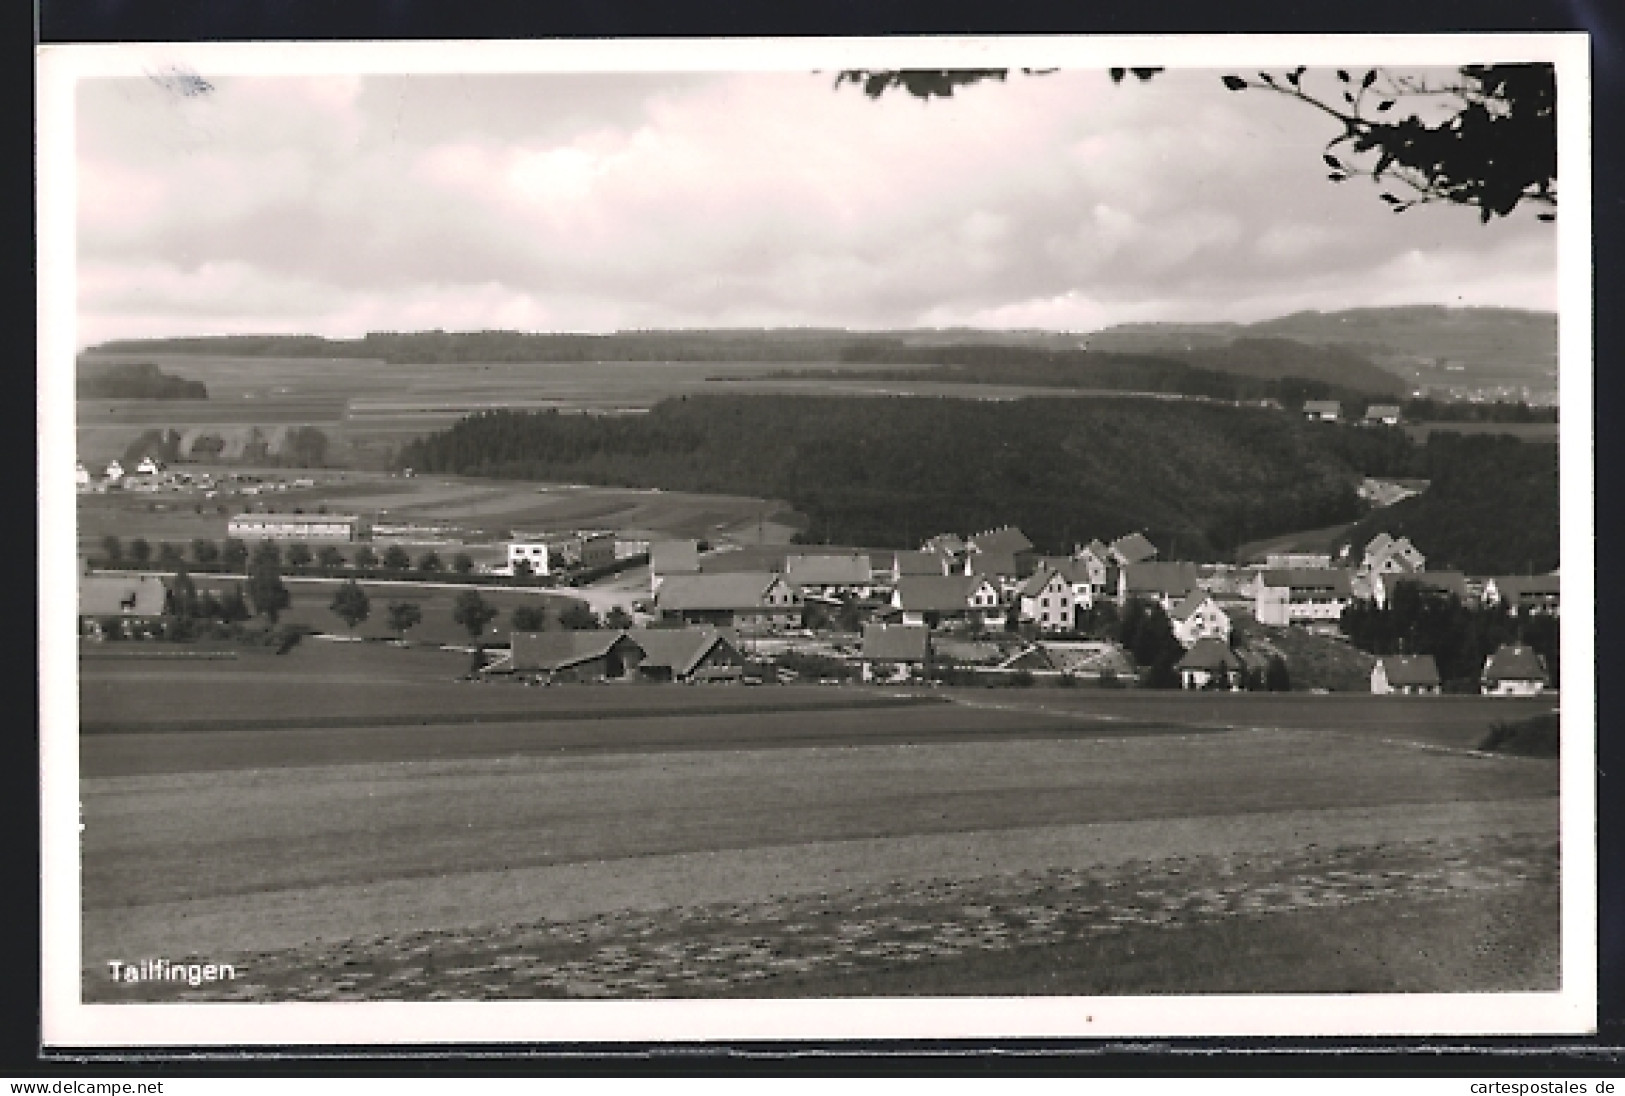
x=908, y=538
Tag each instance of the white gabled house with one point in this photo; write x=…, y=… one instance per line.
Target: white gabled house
x=1047, y=599
x=1514, y=670
x=529, y=552
x=1199, y=617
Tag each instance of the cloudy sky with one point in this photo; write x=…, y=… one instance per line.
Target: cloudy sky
x=566, y=202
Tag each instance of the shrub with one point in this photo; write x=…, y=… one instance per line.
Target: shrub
x=1022, y=678
x=1535, y=737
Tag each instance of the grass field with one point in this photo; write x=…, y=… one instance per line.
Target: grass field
x=1526, y=431
x=472, y=509
x=659, y=841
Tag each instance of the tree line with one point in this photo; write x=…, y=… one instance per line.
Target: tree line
x=140, y=381
x=889, y=472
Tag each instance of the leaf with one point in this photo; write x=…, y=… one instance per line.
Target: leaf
x=1332, y=161
x=1370, y=78
x=1386, y=104
x=1234, y=83
x=1296, y=74
x=1267, y=78
x=1342, y=74
x=1117, y=74
x=1546, y=217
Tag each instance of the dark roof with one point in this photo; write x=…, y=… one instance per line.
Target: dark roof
x=1209, y=654
x=730, y=590
x=1170, y=579
x=936, y=593
x=994, y=562
x=1335, y=579
x=1187, y=608
x=919, y=563
x=1514, y=663
x=679, y=648
x=121, y=595
x=896, y=642
x=1040, y=579
x=848, y=569
x=1133, y=548
x=1071, y=569
x=1382, y=411
x=1444, y=582
x=1006, y=540
x=1410, y=670
x=559, y=650
x=671, y=557
x=1513, y=587
x=1319, y=406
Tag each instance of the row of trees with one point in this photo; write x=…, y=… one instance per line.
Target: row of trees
x=233, y=555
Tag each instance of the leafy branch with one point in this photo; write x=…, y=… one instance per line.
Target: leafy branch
x=1495, y=148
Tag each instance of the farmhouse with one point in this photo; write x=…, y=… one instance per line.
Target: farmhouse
x=1429, y=583
x=124, y=603
x=575, y=656
x=895, y=652
x=1301, y=595
x=1004, y=553
x=1405, y=674
x=320, y=528
x=931, y=599
x=1382, y=414
x=1165, y=583
x=745, y=598
x=1322, y=410
x=688, y=654
x=1199, y=617
x=1536, y=594
x=1210, y=664
x=1046, y=600
x=671, y=557
x=1513, y=670
x=1092, y=562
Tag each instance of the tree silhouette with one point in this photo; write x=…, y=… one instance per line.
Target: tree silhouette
x=1486, y=140
x=403, y=616
x=473, y=612
x=350, y=604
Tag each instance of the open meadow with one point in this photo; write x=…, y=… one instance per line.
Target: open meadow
x=368, y=408
x=348, y=821
x=467, y=509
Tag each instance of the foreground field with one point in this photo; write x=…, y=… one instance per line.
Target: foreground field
x=657, y=841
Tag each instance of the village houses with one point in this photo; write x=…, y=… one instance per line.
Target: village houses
x=1407, y=675
x=895, y=652
x=1310, y=596
x=1047, y=600
x=934, y=599
x=1534, y=594
x=1167, y=584
x=1514, y=670
x=1199, y=617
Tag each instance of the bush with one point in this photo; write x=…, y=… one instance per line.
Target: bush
x=1536, y=737
x=1022, y=678
x=1110, y=680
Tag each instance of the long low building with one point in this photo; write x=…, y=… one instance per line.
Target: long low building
x=318, y=528
x=1301, y=595
x=746, y=599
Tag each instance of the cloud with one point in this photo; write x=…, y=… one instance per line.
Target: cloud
x=602, y=201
